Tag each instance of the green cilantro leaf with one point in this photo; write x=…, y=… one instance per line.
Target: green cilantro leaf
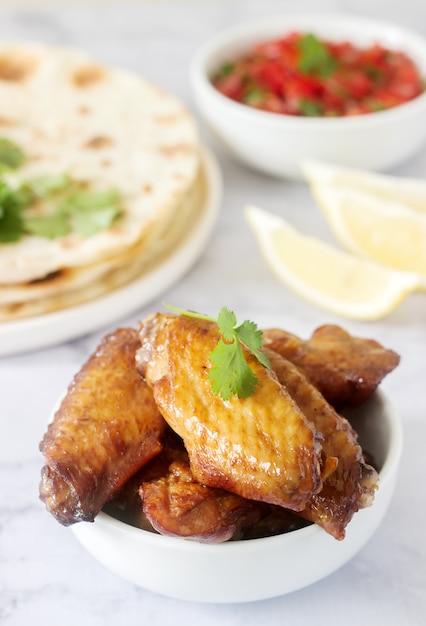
x=44, y=186
x=91, y=211
x=48, y=226
x=254, y=96
x=11, y=226
x=315, y=57
x=89, y=200
x=57, y=205
x=230, y=373
x=87, y=223
x=225, y=70
x=11, y=155
x=11, y=205
x=310, y=108
x=252, y=337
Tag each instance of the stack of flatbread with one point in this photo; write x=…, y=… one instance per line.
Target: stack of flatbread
x=107, y=128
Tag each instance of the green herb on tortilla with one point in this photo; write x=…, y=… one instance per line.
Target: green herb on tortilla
x=52, y=206
x=91, y=211
x=12, y=203
x=11, y=155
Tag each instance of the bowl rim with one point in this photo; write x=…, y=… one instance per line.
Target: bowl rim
x=263, y=29
x=140, y=535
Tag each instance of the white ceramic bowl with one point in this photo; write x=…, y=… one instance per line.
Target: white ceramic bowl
x=276, y=143
x=242, y=571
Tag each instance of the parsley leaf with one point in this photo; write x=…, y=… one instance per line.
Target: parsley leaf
x=230, y=373
x=315, y=57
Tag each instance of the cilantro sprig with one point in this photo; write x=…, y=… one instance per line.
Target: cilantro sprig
x=230, y=373
x=50, y=206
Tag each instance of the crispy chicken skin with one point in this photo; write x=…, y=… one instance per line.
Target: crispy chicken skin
x=177, y=505
x=261, y=448
x=164, y=496
x=349, y=483
x=106, y=428
x=345, y=369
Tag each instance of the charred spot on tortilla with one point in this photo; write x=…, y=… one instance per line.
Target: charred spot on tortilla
x=165, y=119
x=176, y=150
x=16, y=66
x=99, y=142
x=88, y=75
x=6, y=121
x=84, y=110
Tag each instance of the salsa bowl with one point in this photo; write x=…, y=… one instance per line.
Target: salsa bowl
x=277, y=143
x=255, y=569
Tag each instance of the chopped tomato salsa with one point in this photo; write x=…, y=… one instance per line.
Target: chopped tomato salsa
x=302, y=75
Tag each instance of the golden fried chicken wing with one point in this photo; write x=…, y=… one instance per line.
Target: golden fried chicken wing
x=346, y=369
x=179, y=506
x=173, y=503
x=106, y=428
x=261, y=447
x=351, y=483
x=176, y=504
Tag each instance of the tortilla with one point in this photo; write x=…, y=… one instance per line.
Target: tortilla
x=107, y=128
x=75, y=286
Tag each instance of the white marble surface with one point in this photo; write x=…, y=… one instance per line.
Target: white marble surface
x=45, y=575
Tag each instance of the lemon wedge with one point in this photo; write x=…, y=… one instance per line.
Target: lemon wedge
x=331, y=279
x=407, y=191
x=383, y=230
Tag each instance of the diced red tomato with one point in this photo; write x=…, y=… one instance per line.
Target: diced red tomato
x=302, y=75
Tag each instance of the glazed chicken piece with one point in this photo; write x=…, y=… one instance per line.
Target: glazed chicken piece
x=351, y=483
x=164, y=496
x=177, y=505
x=261, y=447
x=345, y=369
x=106, y=428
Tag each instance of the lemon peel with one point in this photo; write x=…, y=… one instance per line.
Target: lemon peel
x=370, y=215
x=407, y=191
x=331, y=279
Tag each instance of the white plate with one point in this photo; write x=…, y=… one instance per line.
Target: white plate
x=45, y=330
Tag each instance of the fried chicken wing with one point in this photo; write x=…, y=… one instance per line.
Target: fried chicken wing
x=177, y=505
x=106, y=428
x=346, y=369
x=173, y=503
x=261, y=447
x=351, y=483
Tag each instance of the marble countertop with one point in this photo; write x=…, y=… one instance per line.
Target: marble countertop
x=46, y=577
